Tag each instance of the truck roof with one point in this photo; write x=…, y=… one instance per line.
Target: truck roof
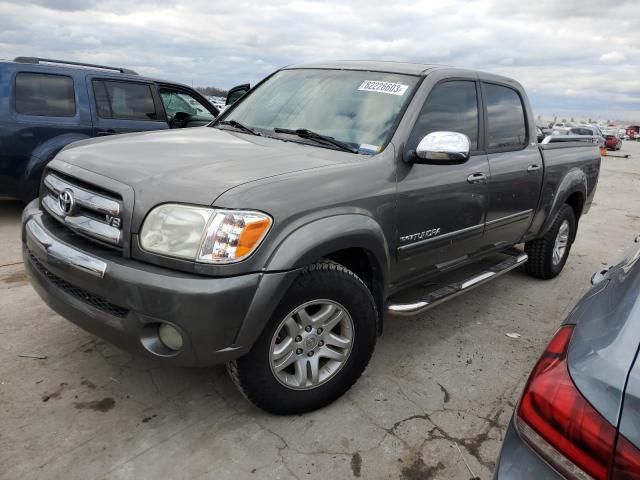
x=381, y=66
x=406, y=68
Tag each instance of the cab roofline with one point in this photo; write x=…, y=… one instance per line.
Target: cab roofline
x=403, y=68
x=376, y=66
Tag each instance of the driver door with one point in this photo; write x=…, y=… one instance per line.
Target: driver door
x=442, y=207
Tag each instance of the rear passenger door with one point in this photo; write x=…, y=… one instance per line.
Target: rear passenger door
x=515, y=166
x=123, y=106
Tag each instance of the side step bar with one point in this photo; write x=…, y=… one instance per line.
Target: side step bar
x=515, y=259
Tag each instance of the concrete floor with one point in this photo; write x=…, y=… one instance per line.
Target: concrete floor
x=434, y=402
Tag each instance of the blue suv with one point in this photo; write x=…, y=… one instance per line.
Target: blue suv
x=46, y=104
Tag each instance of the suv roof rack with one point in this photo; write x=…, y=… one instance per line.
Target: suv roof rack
x=37, y=60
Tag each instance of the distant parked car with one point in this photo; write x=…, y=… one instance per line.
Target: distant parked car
x=612, y=142
x=47, y=104
x=579, y=415
x=589, y=131
x=562, y=127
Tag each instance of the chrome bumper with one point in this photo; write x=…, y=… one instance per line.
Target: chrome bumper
x=41, y=243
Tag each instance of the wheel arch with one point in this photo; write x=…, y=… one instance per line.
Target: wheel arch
x=571, y=191
x=355, y=241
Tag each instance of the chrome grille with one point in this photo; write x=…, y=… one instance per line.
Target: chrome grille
x=86, y=212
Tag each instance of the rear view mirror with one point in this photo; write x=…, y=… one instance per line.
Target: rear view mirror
x=236, y=93
x=442, y=147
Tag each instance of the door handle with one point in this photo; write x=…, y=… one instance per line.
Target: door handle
x=104, y=133
x=533, y=168
x=476, y=178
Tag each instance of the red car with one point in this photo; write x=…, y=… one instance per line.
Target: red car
x=612, y=142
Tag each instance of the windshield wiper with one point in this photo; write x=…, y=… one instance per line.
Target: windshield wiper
x=240, y=126
x=318, y=137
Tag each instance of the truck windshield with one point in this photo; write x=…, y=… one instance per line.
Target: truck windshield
x=359, y=108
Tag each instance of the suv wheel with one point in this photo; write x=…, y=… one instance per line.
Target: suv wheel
x=547, y=255
x=315, y=346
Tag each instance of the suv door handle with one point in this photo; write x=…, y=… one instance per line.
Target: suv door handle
x=104, y=133
x=477, y=177
x=533, y=168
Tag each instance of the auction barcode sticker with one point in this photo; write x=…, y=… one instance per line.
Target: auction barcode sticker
x=383, y=87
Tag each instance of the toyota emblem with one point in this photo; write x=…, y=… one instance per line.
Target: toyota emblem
x=66, y=201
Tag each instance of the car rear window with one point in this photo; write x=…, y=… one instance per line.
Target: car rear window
x=124, y=100
x=43, y=94
x=505, y=118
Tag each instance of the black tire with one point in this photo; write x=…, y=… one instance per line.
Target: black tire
x=253, y=374
x=540, y=251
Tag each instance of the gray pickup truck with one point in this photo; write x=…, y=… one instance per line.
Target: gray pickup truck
x=276, y=239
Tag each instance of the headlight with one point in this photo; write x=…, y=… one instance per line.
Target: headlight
x=207, y=235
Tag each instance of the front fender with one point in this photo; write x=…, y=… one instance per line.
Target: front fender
x=574, y=181
x=324, y=236
x=42, y=155
x=302, y=247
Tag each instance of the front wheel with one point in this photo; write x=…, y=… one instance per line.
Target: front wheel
x=547, y=255
x=315, y=346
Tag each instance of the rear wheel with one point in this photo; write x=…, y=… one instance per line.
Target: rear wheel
x=315, y=346
x=548, y=255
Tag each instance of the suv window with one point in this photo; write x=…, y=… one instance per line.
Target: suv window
x=451, y=106
x=124, y=100
x=175, y=101
x=506, y=124
x=43, y=94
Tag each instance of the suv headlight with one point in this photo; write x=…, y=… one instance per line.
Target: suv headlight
x=206, y=235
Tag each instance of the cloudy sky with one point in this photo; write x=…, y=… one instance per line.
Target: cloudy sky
x=575, y=57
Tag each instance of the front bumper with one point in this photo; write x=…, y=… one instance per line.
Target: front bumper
x=124, y=301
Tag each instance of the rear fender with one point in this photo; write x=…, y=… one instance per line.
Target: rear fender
x=574, y=181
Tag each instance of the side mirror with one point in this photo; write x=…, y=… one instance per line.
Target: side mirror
x=236, y=93
x=442, y=148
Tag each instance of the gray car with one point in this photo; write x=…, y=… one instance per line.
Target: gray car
x=276, y=239
x=579, y=416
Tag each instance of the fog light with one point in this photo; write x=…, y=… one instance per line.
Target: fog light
x=170, y=336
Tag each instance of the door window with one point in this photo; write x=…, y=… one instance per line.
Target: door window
x=124, y=100
x=175, y=102
x=45, y=95
x=506, y=124
x=451, y=106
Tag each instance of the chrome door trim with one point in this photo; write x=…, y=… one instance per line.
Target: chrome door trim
x=513, y=218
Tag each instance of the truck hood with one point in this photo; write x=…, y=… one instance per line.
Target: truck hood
x=193, y=165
